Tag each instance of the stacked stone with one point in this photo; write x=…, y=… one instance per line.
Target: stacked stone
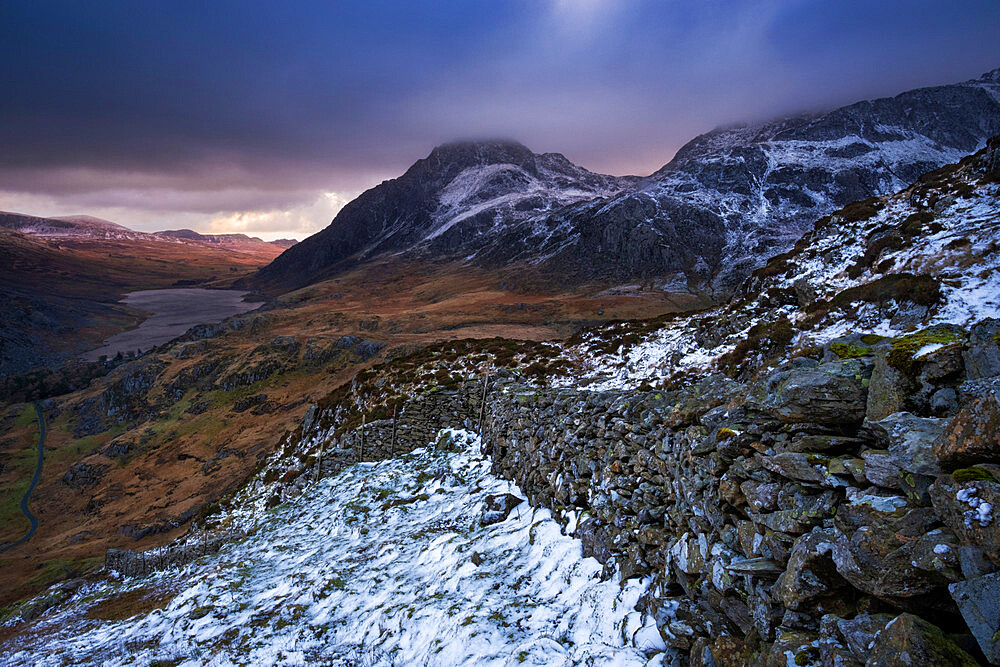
x=787, y=518
x=139, y=563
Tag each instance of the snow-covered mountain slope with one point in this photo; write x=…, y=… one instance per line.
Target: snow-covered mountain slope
x=728, y=200
x=927, y=255
x=732, y=198
x=383, y=564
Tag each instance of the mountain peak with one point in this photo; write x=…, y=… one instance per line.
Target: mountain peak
x=993, y=76
x=468, y=153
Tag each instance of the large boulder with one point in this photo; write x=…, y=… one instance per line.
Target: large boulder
x=498, y=507
x=910, y=640
x=979, y=601
x=811, y=580
x=965, y=501
x=982, y=350
x=889, y=549
x=889, y=390
x=830, y=393
x=596, y=540
x=910, y=440
x=974, y=433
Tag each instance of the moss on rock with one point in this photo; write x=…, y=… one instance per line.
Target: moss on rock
x=902, y=355
x=973, y=474
x=848, y=351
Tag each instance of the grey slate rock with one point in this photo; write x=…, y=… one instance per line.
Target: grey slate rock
x=979, y=601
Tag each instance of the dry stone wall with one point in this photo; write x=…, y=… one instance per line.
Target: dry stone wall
x=777, y=523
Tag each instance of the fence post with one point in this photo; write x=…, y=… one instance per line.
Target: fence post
x=482, y=403
x=392, y=441
x=319, y=462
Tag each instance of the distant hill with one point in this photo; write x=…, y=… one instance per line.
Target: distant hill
x=87, y=226
x=225, y=239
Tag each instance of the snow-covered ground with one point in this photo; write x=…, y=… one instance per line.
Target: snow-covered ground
x=384, y=563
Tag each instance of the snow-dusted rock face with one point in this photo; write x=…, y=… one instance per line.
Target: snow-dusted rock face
x=925, y=256
x=728, y=201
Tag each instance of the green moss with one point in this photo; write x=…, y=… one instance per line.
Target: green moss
x=848, y=351
x=201, y=612
x=872, y=339
x=726, y=433
x=973, y=474
x=901, y=356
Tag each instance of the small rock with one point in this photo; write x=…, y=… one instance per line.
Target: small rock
x=497, y=508
x=968, y=509
x=910, y=439
x=973, y=435
x=761, y=496
x=859, y=632
x=944, y=401
x=973, y=562
x=881, y=468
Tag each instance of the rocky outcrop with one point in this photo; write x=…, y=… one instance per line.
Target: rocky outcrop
x=756, y=518
x=83, y=474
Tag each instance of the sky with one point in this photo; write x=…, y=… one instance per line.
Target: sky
x=267, y=117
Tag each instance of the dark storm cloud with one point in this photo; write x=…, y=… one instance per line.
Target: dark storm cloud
x=221, y=108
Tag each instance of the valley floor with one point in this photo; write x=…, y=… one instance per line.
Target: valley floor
x=384, y=563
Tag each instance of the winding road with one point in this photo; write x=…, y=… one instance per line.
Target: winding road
x=34, y=481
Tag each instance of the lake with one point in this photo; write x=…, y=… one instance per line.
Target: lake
x=172, y=312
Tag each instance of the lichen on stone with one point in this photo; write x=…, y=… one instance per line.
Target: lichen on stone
x=848, y=351
x=902, y=357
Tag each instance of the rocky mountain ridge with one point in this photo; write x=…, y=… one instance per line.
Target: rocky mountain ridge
x=728, y=201
x=89, y=227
